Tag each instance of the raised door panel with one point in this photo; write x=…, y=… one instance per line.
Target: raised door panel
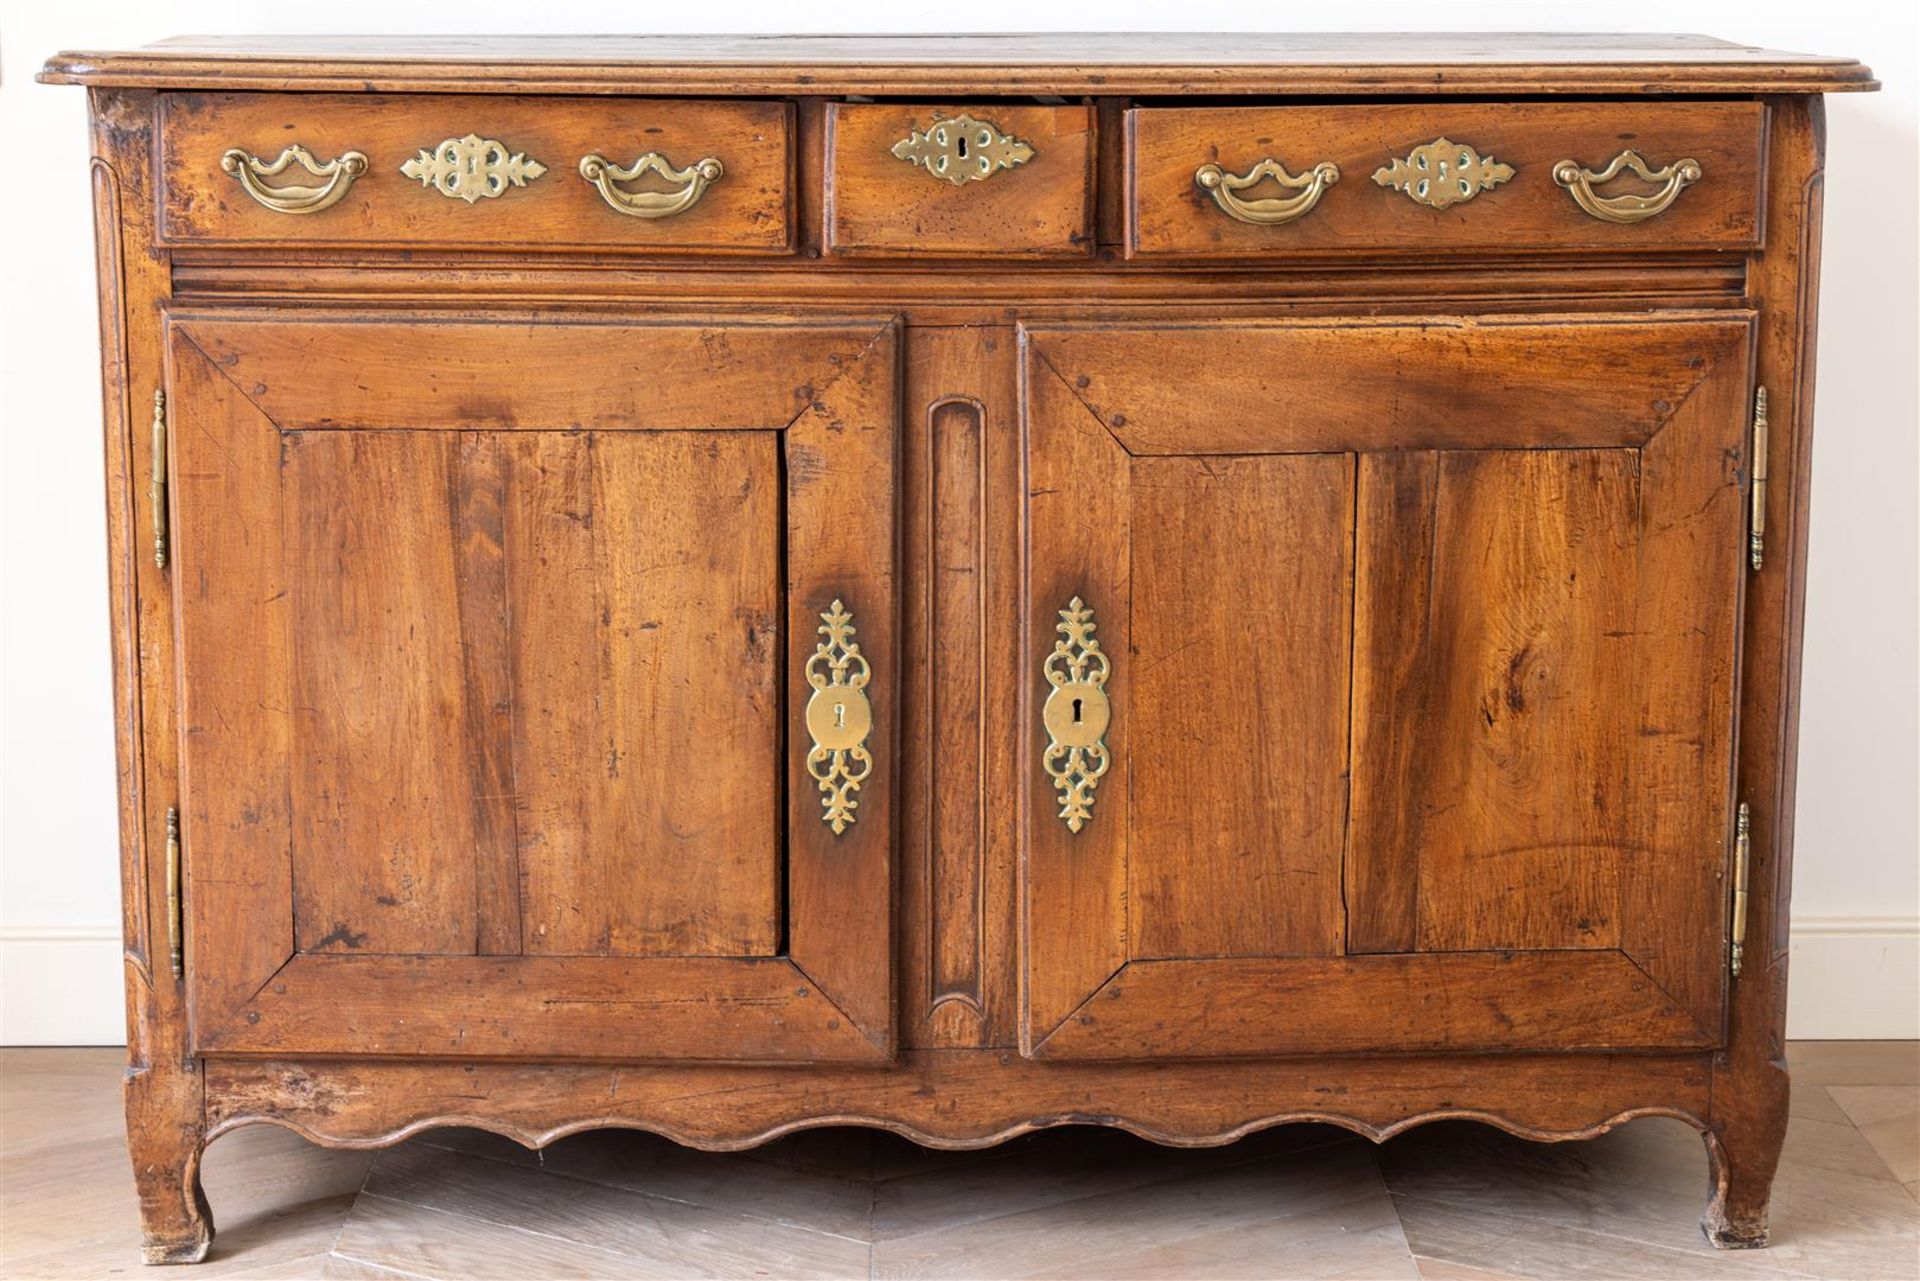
x=492, y=717
x=1421, y=673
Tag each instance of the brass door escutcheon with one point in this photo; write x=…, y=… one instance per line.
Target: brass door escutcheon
x=1076, y=714
x=694, y=181
x=839, y=717
x=1225, y=188
x=294, y=198
x=961, y=149
x=1580, y=182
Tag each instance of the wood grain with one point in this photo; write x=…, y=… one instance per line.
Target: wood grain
x=1169, y=215
x=627, y=680
x=878, y=204
x=389, y=372
x=958, y=1100
x=1457, y=382
x=236, y=717
x=960, y=732
x=748, y=210
x=1238, y=682
x=1073, y=885
x=647, y=710
x=386, y=822
x=1514, y=792
x=1263, y=63
x=1408, y=1002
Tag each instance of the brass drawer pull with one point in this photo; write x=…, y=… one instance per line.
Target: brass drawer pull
x=1223, y=186
x=839, y=717
x=295, y=198
x=1076, y=714
x=1580, y=183
x=695, y=180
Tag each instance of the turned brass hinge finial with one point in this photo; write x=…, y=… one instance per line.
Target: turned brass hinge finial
x=159, y=490
x=174, y=958
x=1742, y=851
x=1757, y=521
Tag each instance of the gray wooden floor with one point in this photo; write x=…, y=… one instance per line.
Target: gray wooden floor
x=1453, y=1201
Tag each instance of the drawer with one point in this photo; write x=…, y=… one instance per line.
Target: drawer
x=461, y=172
x=981, y=181
x=1434, y=177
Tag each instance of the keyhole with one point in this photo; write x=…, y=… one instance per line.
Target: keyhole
x=840, y=715
x=963, y=146
x=1076, y=711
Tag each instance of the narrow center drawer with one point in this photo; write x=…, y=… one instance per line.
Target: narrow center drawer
x=1440, y=177
x=995, y=180
x=472, y=172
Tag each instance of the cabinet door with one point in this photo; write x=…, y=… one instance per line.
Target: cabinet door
x=495, y=644
x=1419, y=643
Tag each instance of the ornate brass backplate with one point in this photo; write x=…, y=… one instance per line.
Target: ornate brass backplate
x=1076, y=714
x=1442, y=173
x=961, y=149
x=839, y=717
x=472, y=167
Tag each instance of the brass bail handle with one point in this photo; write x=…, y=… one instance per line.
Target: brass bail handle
x=294, y=198
x=1580, y=183
x=1225, y=188
x=693, y=183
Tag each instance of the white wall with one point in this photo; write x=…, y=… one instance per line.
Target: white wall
x=1857, y=946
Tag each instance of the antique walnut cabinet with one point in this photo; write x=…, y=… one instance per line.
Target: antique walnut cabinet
x=955, y=584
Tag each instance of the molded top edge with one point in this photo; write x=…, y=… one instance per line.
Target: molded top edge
x=1133, y=63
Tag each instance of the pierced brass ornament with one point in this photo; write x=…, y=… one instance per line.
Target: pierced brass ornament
x=1442, y=173
x=472, y=167
x=693, y=180
x=961, y=149
x=1225, y=188
x=294, y=198
x=1076, y=714
x=1673, y=180
x=839, y=718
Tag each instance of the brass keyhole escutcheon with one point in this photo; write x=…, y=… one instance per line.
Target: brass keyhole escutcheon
x=839, y=717
x=1076, y=714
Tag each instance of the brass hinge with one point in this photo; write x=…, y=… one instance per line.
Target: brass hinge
x=1757, y=520
x=1742, y=852
x=174, y=957
x=159, y=491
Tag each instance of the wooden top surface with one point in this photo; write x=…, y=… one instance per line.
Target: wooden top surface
x=1265, y=63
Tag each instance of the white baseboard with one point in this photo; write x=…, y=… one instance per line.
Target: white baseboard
x=1853, y=978
x=61, y=985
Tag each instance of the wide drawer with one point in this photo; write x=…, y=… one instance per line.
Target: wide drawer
x=1436, y=177
x=981, y=181
x=463, y=172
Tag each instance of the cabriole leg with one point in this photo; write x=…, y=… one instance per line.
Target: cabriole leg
x=165, y=1140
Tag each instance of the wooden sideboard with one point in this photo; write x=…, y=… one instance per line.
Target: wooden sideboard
x=955, y=584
